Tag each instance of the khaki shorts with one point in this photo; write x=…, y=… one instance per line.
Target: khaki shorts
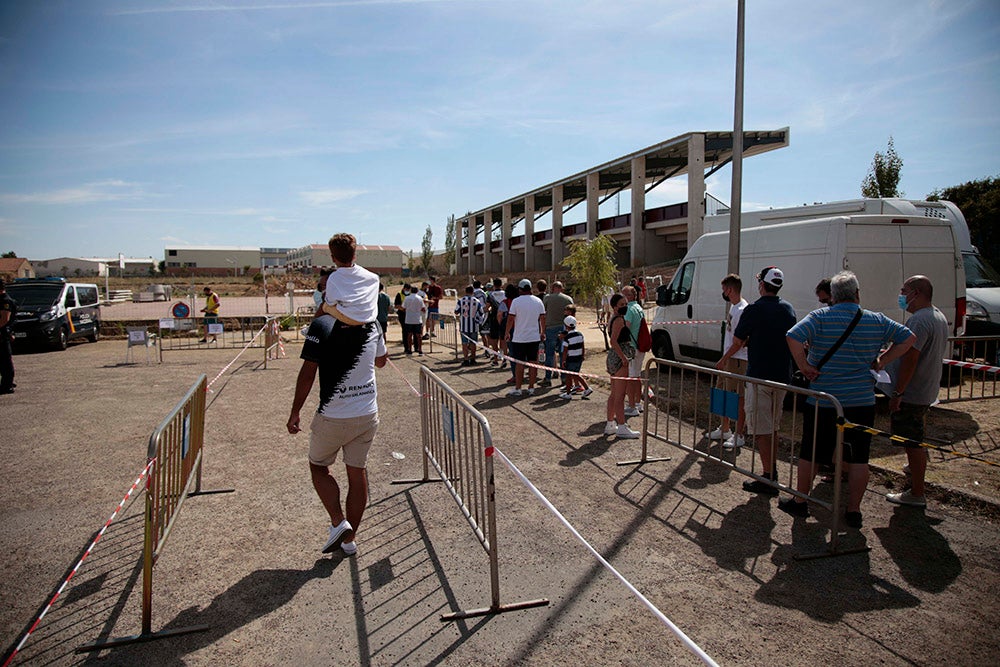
x=739, y=367
x=354, y=435
x=763, y=408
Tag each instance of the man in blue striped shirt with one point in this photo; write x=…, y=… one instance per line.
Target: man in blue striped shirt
x=848, y=377
x=470, y=318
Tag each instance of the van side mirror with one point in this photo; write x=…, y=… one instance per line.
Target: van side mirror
x=664, y=295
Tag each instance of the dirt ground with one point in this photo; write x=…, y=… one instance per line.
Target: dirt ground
x=718, y=562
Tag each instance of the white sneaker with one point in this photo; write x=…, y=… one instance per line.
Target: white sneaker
x=719, y=434
x=336, y=536
x=733, y=441
x=631, y=412
x=349, y=548
x=530, y=391
x=610, y=428
x=625, y=433
x=906, y=498
x=587, y=392
x=568, y=396
x=514, y=393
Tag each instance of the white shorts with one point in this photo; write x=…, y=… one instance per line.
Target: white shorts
x=763, y=408
x=635, y=366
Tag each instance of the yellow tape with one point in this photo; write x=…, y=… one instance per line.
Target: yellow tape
x=846, y=425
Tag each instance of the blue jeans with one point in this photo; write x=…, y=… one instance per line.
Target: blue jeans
x=551, y=340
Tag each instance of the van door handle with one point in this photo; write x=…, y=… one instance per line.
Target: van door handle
x=690, y=312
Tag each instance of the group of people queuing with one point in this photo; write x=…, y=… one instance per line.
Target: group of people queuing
x=840, y=349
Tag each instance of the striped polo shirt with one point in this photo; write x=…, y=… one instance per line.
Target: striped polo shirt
x=846, y=375
x=573, y=344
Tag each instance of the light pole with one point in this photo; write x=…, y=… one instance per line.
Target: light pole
x=737, y=185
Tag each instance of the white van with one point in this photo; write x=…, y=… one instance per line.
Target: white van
x=53, y=312
x=882, y=250
x=982, y=282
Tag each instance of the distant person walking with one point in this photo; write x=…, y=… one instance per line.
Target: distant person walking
x=346, y=419
x=211, y=311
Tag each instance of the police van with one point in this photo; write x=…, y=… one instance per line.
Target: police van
x=52, y=312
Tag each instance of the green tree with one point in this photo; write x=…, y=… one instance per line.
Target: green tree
x=426, y=250
x=592, y=265
x=9, y=255
x=883, y=176
x=449, y=242
x=980, y=202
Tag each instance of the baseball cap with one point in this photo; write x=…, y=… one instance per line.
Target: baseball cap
x=570, y=321
x=524, y=284
x=772, y=275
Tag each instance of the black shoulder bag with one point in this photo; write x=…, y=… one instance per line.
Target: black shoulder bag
x=800, y=380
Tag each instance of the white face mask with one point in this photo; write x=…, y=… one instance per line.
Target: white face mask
x=318, y=298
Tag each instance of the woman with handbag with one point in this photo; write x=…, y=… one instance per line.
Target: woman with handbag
x=621, y=352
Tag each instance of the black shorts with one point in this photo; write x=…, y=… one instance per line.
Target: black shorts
x=523, y=351
x=857, y=444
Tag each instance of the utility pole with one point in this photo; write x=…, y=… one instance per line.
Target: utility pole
x=735, y=203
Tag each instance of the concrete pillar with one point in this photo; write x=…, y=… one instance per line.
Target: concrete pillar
x=558, y=247
x=639, y=240
x=529, y=233
x=491, y=263
x=461, y=263
x=474, y=264
x=696, y=187
x=505, y=234
x=593, y=202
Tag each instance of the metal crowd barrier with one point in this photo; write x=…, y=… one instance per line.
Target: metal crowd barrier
x=445, y=329
x=973, y=370
x=689, y=405
x=175, y=447
x=236, y=333
x=459, y=446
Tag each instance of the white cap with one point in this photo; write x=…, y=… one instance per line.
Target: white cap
x=772, y=275
x=524, y=284
x=569, y=322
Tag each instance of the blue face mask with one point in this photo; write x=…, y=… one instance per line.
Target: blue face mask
x=902, y=301
x=317, y=298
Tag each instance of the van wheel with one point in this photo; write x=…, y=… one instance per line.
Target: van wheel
x=96, y=334
x=662, y=349
x=61, y=341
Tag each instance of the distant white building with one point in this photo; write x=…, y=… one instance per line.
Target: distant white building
x=211, y=260
x=381, y=259
x=73, y=267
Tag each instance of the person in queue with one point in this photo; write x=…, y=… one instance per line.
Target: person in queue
x=621, y=352
x=847, y=376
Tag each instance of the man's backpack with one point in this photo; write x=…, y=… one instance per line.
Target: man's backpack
x=645, y=341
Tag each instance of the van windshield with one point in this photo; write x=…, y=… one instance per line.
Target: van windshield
x=34, y=296
x=978, y=273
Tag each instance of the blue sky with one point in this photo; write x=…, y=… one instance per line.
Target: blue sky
x=131, y=125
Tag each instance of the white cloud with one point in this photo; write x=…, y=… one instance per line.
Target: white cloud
x=331, y=196
x=101, y=191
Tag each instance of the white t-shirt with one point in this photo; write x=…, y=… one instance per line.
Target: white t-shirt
x=733, y=319
x=414, y=306
x=526, y=308
x=354, y=291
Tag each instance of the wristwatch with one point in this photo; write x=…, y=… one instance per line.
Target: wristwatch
x=897, y=393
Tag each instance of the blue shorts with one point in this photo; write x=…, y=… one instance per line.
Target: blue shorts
x=574, y=365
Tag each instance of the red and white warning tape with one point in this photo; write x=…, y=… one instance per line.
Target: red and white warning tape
x=692, y=322
x=976, y=367
x=76, y=568
x=245, y=348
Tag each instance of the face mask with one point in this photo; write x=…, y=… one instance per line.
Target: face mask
x=623, y=310
x=317, y=298
x=902, y=301
x=725, y=297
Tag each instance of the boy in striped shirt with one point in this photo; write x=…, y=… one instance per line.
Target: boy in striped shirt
x=572, y=360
